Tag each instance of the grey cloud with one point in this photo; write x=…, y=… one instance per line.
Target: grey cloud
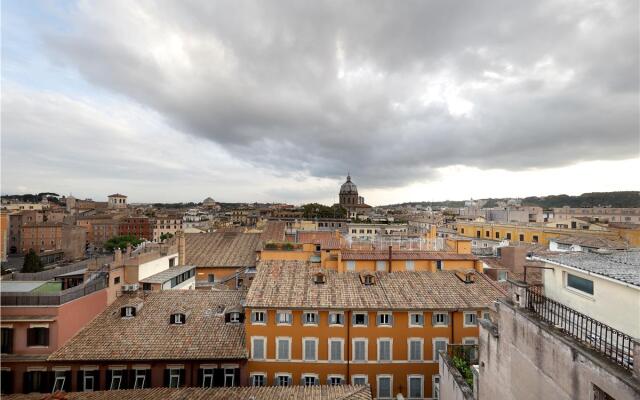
x=551, y=83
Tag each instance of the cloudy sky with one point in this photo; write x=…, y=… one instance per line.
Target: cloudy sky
x=277, y=100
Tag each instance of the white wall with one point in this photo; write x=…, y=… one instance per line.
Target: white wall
x=186, y=285
x=613, y=302
x=145, y=270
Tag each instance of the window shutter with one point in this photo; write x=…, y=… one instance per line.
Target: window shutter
x=166, y=377
x=7, y=381
x=200, y=377
x=46, y=336
x=47, y=381
x=108, y=377
x=446, y=319
x=236, y=377
x=366, y=319
x=227, y=317
x=433, y=319
x=123, y=311
x=181, y=378
x=218, y=377
x=147, y=379
x=242, y=317
x=96, y=379
x=258, y=348
x=30, y=337
x=129, y=379
x=353, y=319
x=391, y=319
x=27, y=382
x=80, y=380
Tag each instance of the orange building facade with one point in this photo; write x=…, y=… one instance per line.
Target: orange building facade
x=307, y=325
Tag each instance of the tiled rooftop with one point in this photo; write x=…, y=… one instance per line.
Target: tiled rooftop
x=167, y=274
x=290, y=284
x=339, y=392
x=150, y=336
x=327, y=240
x=273, y=231
x=404, y=255
x=620, y=265
x=221, y=249
x=597, y=242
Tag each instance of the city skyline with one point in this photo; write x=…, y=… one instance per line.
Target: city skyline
x=182, y=104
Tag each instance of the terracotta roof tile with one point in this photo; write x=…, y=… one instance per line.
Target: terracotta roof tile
x=289, y=284
x=327, y=240
x=221, y=249
x=342, y=392
x=150, y=336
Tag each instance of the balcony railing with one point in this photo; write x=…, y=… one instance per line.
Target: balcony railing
x=613, y=344
x=64, y=296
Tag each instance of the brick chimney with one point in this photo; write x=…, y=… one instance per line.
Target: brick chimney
x=181, y=248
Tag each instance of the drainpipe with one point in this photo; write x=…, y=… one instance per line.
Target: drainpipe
x=347, y=356
x=390, y=256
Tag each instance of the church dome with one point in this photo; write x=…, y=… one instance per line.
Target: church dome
x=348, y=187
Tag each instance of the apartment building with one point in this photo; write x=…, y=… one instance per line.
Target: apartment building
x=47, y=236
x=4, y=235
x=100, y=228
x=37, y=323
x=598, y=214
x=139, y=227
x=166, y=224
x=16, y=220
x=219, y=255
x=307, y=325
x=159, y=339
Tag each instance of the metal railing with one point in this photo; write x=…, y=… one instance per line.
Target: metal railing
x=610, y=342
x=64, y=296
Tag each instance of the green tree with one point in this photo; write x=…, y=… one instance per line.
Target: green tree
x=32, y=262
x=313, y=210
x=165, y=236
x=121, y=242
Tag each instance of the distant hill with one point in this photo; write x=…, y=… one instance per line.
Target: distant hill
x=596, y=199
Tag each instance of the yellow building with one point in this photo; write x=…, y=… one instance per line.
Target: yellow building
x=308, y=325
x=528, y=233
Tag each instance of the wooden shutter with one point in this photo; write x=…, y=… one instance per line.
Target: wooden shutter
x=446, y=318
x=31, y=338
x=200, y=377
x=46, y=336
x=147, y=379
x=96, y=379
x=67, y=381
x=227, y=317
x=80, y=380
x=27, y=382
x=166, y=377
x=218, y=377
x=181, y=378
x=107, y=383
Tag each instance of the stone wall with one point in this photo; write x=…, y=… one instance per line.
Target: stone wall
x=452, y=384
x=523, y=358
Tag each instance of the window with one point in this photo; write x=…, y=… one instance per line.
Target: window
x=470, y=341
x=229, y=377
x=211, y=278
x=174, y=377
x=88, y=382
x=497, y=235
x=521, y=238
x=172, y=262
x=436, y=386
x=38, y=336
x=508, y=235
x=7, y=340
x=381, y=265
x=535, y=238
x=351, y=265
x=415, y=349
x=310, y=318
x=258, y=380
x=369, y=279
x=234, y=317
x=470, y=318
x=140, y=378
x=486, y=315
x=207, y=378
x=440, y=319
x=439, y=345
x=461, y=230
x=116, y=280
x=336, y=318
x=283, y=379
x=283, y=348
x=258, y=317
x=60, y=379
x=578, y=283
x=487, y=234
x=284, y=317
x=410, y=265
x=384, y=349
x=360, y=319
x=384, y=386
x=360, y=380
x=309, y=380
x=335, y=380
x=385, y=319
x=310, y=349
x=416, y=386
x=335, y=349
x=502, y=276
x=258, y=348
x=116, y=379
x=128, y=312
x=360, y=350
x=416, y=320
x=177, y=319
x=439, y=265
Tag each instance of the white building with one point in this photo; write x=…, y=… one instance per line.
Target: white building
x=117, y=201
x=605, y=287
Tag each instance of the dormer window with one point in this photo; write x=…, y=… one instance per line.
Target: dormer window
x=234, y=317
x=128, y=312
x=369, y=280
x=178, y=319
x=319, y=278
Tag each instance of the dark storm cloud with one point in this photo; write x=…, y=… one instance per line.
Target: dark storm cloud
x=390, y=90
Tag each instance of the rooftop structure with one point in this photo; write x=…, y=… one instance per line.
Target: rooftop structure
x=149, y=335
x=291, y=284
x=337, y=392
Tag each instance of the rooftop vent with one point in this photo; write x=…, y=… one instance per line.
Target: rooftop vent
x=319, y=278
